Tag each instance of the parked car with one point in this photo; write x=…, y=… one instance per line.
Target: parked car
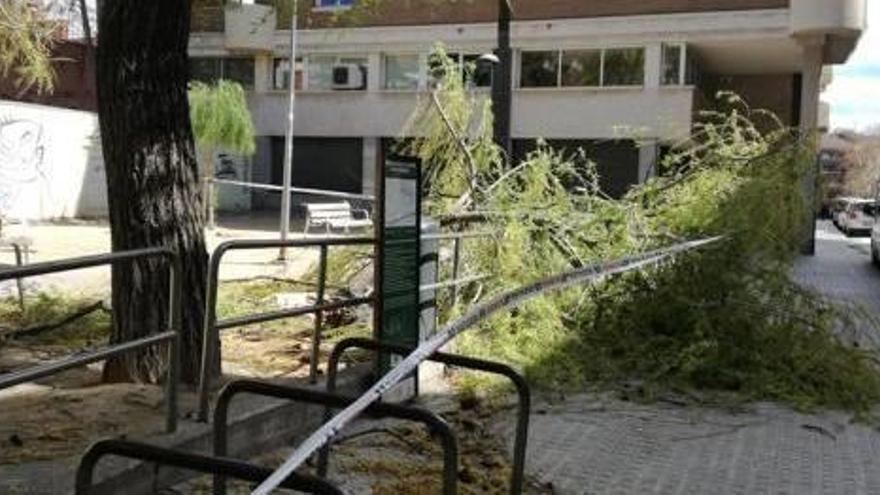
x=838, y=205
x=857, y=217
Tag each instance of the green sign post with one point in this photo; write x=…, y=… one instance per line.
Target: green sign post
x=398, y=229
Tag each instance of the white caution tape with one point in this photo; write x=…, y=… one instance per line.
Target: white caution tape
x=590, y=273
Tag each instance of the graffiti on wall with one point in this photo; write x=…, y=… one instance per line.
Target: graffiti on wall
x=22, y=160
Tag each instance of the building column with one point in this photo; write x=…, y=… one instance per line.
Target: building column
x=371, y=154
x=648, y=156
x=653, y=62
x=811, y=82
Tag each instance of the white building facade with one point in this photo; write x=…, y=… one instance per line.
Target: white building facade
x=619, y=81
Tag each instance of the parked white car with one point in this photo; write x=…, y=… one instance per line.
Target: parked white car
x=857, y=217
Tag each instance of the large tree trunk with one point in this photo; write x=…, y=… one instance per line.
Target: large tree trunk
x=152, y=176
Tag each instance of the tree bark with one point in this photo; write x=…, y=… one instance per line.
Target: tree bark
x=152, y=177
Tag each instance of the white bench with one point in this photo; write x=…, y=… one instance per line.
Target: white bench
x=336, y=216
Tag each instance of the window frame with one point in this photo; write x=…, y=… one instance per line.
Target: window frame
x=602, y=69
x=421, y=71
x=308, y=63
x=220, y=63
x=299, y=68
x=558, y=54
x=334, y=5
x=682, y=63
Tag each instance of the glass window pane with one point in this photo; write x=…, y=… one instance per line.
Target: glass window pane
x=539, y=69
x=478, y=74
x=624, y=67
x=281, y=73
x=334, y=3
x=581, y=67
x=204, y=69
x=240, y=70
x=401, y=72
x=321, y=71
x=670, y=70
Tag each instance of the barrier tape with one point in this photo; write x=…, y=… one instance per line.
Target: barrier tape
x=591, y=273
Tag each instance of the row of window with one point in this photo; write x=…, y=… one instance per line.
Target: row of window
x=608, y=67
x=583, y=68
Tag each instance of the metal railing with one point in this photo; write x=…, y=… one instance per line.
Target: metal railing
x=190, y=461
x=587, y=274
x=435, y=423
x=517, y=476
x=213, y=326
x=170, y=336
x=457, y=280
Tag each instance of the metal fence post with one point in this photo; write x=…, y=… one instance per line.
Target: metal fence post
x=175, y=321
x=319, y=317
x=209, y=332
x=456, y=263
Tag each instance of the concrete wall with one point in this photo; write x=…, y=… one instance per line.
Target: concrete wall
x=50, y=163
x=415, y=12
x=552, y=113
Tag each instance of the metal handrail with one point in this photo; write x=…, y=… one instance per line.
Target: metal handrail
x=172, y=335
x=434, y=422
x=191, y=461
x=517, y=476
x=212, y=327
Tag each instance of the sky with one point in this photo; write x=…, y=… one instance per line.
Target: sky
x=854, y=94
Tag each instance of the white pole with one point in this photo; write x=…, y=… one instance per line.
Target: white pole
x=288, y=142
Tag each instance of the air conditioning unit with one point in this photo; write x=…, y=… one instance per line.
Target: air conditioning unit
x=349, y=77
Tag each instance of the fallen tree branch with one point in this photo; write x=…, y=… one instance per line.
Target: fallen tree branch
x=46, y=327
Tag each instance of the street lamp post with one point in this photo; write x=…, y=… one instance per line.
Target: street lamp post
x=288, y=142
x=501, y=91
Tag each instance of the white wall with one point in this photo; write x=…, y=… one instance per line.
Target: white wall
x=50, y=163
x=550, y=113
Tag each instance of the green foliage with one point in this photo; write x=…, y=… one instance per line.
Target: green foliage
x=26, y=39
x=726, y=319
x=48, y=309
x=220, y=117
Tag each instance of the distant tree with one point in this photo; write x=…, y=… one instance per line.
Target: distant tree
x=863, y=167
x=26, y=38
x=220, y=121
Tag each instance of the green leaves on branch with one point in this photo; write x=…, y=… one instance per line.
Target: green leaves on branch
x=26, y=39
x=726, y=321
x=220, y=118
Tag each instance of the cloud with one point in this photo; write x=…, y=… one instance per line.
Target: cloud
x=854, y=94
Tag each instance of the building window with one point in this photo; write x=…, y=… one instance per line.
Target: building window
x=240, y=70
x=624, y=67
x=281, y=73
x=478, y=74
x=211, y=69
x=539, y=69
x=333, y=4
x=206, y=70
x=670, y=65
x=475, y=74
x=321, y=69
x=401, y=72
x=582, y=68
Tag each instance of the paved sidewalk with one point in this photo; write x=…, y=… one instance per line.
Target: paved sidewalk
x=600, y=445
x=842, y=270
